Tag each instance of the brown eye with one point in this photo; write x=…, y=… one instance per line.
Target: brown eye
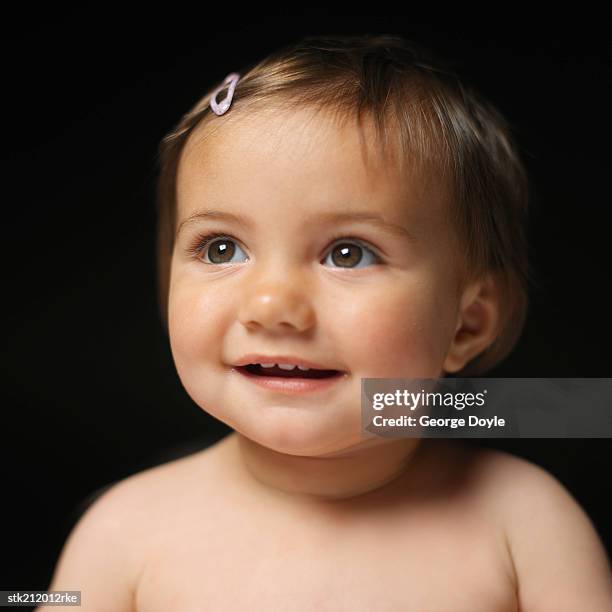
x=221, y=251
x=346, y=255
x=215, y=249
x=349, y=255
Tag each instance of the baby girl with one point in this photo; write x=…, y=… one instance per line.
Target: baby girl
x=345, y=208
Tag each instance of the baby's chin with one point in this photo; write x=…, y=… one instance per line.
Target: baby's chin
x=304, y=439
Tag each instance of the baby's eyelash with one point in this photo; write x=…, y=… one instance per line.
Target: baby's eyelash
x=338, y=237
x=198, y=245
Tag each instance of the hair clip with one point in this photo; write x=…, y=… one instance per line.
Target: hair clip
x=221, y=107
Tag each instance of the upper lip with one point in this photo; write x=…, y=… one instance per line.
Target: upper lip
x=290, y=359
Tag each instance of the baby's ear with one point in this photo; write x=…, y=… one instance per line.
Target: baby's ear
x=477, y=322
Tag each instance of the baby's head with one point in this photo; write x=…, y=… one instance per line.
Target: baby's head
x=365, y=211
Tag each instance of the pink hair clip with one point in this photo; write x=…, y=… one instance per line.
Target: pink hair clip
x=221, y=107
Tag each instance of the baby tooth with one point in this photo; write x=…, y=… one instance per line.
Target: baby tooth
x=267, y=365
x=301, y=368
x=286, y=366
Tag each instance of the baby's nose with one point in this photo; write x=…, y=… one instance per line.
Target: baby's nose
x=278, y=307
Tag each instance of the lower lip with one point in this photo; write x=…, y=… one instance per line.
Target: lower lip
x=294, y=386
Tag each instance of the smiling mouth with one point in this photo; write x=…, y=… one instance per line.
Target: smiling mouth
x=257, y=370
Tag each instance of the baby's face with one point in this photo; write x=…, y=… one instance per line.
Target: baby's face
x=351, y=294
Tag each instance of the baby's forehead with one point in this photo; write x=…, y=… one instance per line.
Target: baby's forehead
x=304, y=155
x=301, y=135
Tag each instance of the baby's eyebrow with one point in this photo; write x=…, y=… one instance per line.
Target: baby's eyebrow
x=329, y=217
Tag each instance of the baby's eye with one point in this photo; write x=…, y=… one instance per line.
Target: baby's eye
x=349, y=254
x=219, y=251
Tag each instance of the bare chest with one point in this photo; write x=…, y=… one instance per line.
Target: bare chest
x=264, y=566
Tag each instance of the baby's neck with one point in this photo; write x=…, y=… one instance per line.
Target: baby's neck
x=347, y=476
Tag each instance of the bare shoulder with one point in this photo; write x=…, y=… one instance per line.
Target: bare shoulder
x=99, y=552
x=558, y=557
x=112, y=540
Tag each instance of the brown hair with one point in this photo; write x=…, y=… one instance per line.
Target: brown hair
x=417, y=103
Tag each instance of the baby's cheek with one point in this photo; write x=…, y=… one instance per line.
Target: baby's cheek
x=193, y=317
x=397, y=337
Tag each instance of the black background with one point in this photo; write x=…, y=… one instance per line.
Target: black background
x=90, y=391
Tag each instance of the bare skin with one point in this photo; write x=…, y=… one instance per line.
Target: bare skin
x=402, y=546
x=205, y=534
x=451, y=533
